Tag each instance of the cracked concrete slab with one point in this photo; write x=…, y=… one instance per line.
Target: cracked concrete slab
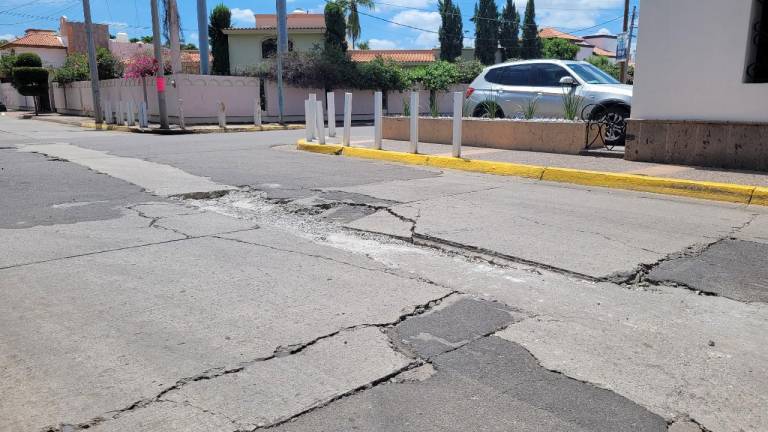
x=731, y=268
x=166, y=416
x=120, y=327
x=490, y=385
x=453, y=324
x=756, y=231
x=265, y=393
x=204, y=224
x=383, y=222
x=164, y=180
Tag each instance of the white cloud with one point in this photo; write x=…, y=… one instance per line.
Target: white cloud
x=379, y=44
x=429, y=21
x=243, y=16
x=192, y=37
x=469, y=43
x=405, y=4
x=570, y=15
x=426, y=40
x=604, y=31
x=7, y=36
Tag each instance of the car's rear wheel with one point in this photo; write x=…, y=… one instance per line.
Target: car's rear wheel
x=488, y=110
x=614, y=121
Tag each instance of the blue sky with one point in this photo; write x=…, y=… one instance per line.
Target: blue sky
x=133, y=17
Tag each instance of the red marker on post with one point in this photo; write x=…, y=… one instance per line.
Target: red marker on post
x=160, y=83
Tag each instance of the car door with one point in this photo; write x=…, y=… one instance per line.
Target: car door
x=545, y=83
x=515, y=91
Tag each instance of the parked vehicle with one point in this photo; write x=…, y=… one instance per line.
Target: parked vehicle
x=510, y=89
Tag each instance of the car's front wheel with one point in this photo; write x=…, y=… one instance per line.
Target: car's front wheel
x=614, y=122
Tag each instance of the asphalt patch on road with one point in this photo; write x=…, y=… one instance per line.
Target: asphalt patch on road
x=735, y=269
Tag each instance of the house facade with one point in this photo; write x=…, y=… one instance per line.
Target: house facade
x=711, y=112
x=249, y=46
x=600, y=45
x=47, y=44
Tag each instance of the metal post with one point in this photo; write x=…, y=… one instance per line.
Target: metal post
x=173, y=18
x=345, y=139
x=257, y=111
x=319, y=120
x=282, y=48
x=377, y=98
x=160, y=78
x=202, y=33
x=222, y=115
x=331, y=97
x=623, y=65
x=458, y=105
x=414, y=122
x=92, y=62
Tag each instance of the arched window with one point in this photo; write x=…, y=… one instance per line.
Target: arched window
x=269, y=47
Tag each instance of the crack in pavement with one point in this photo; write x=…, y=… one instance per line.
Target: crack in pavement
x=278, y=352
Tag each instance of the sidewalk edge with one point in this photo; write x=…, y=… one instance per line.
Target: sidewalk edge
x=726, y=192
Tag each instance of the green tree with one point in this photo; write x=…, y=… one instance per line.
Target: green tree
x=451, y=32
x=531, y=44
x=436, y=77
x=108, y=65
x=335, y=28
x=221, y=18
x=384, y=75
x=189, y=47
x=486, y=21
x=468, y=70
x=606, y=65
x=6, y=65
x=364, y=45
x=75, y=68
x=30, y=78
x=147, y=39
x=134, y=40
x=556, y=48
x=509, y=32
x=353, y=17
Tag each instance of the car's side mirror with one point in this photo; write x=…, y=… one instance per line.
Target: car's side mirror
x=568, y=81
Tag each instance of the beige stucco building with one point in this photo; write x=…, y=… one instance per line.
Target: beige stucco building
x=250, y=46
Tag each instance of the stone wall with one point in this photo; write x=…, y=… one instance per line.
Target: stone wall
x=708, y=144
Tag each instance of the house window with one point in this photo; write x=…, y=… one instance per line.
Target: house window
x=269, y=47
x=757, y=67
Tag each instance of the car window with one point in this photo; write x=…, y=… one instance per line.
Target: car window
x=547, y=75
x=509, y=75
x=592, y=75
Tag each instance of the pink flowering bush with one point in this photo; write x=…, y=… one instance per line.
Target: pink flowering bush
x=141, y=65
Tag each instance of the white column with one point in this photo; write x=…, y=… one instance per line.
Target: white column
x=131, y=118
x=257, y=111
x=414, y=122
x=182, y=123
x=222, y=115
x=143, y=118
x=347, y=119
x=320, y=125
x=331, y=97
x=458, y=108
x=377, y=97
x=309, y=121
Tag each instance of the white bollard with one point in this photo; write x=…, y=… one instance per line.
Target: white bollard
x=320, y=125
x=131, y=117
x=107, y=112
x=414, y=122
x=458, y=108
x=143, y=117
x=377, y=98
x=312, y=109
x=347, y=119
x=257, y=111
x=182, y=123
x=222, y=115
x=331, y=114
x=309, y=121
x=123, y=120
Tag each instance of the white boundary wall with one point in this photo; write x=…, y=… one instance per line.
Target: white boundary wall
x=201, y=95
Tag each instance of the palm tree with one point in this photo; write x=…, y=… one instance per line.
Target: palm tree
x=353, y=18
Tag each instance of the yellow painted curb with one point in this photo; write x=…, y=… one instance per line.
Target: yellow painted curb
x=728, y=192
x=667, y=186
x=760, y=196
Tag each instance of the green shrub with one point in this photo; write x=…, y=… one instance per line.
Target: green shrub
x=27, y=60
x=31, y=81
x=468, y=70
x=108, y=65
x=75, y=68
x=556, y=48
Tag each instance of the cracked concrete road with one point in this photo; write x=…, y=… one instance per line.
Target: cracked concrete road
x=326, y=293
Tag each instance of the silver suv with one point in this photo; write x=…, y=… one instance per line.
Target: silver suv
x=514, y=86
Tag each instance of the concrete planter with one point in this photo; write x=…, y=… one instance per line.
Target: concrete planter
x=507, y=134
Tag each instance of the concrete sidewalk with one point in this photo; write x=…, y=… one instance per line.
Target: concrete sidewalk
x=598, y=162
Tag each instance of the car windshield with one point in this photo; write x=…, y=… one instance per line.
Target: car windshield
x=591, y=74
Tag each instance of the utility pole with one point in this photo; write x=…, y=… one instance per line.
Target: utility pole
x=282, y=48
x=173, y=30
x=623, y=65
x=160, y=78
x=202, y=33
x=97, y=114
x=631, y=35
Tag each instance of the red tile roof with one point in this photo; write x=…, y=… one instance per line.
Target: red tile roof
x=296, y=21
x=403, y=56
x=550, y=33
x=604, y=53
x=37, y=38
